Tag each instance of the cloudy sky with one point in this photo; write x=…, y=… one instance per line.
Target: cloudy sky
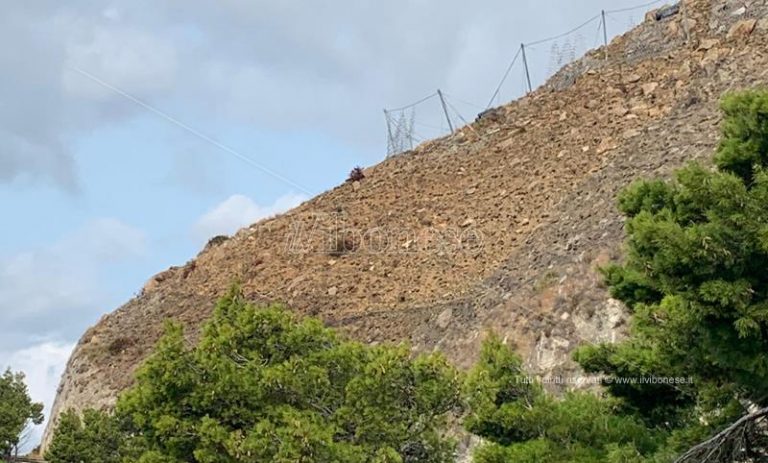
x=132, y=131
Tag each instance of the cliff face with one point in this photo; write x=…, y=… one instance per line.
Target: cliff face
x=499, y=226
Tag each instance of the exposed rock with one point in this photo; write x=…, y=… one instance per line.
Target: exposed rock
x=607, y=144
x=631, y=133
x=444, y=319
x=150, y=285
x=710, y=59
x=706, y=44
x=649, y=88
x=620, y=111
x=688, y=25
x=662, y=13
x=742, y=29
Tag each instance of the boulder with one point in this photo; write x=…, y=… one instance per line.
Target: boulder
x=649, y=88
x=742, y=29
x=707, y=44
x=444, y=319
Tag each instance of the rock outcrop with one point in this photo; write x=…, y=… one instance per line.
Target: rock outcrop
x=499, y=226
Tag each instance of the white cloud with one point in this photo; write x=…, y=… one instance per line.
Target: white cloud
x=43, y=365
x=32, y=283
x=125, y=58
x=41, y=287
x=238, y=211
x=45, y=105
x=104, y=240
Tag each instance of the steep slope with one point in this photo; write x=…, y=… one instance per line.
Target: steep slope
x=498, y=226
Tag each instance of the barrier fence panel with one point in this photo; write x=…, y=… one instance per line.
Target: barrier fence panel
x=428, y=118
x=532, y=65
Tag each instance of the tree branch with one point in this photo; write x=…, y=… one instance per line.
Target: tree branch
x=714, y=445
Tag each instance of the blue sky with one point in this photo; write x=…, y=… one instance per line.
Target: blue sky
x=99, y=193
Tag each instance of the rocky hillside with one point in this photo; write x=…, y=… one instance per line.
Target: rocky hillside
x=499, y=226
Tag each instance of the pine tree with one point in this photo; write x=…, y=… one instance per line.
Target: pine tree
x=262, y=386
x=94, y=437
x=524, y=424
x=17, y=412
x=695, y=279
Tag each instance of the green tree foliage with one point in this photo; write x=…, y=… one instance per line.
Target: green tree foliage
x=524, y=424
x=743, y=150
x=263, y=387
x=695, y=280
x=17, y=412
x=96, y=437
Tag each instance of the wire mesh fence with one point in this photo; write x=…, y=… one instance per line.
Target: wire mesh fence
x=415, y=123
x=533, y=64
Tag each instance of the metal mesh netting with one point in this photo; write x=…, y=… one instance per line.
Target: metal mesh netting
x=534, y=63
x=430, y=117
x=400, y=136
